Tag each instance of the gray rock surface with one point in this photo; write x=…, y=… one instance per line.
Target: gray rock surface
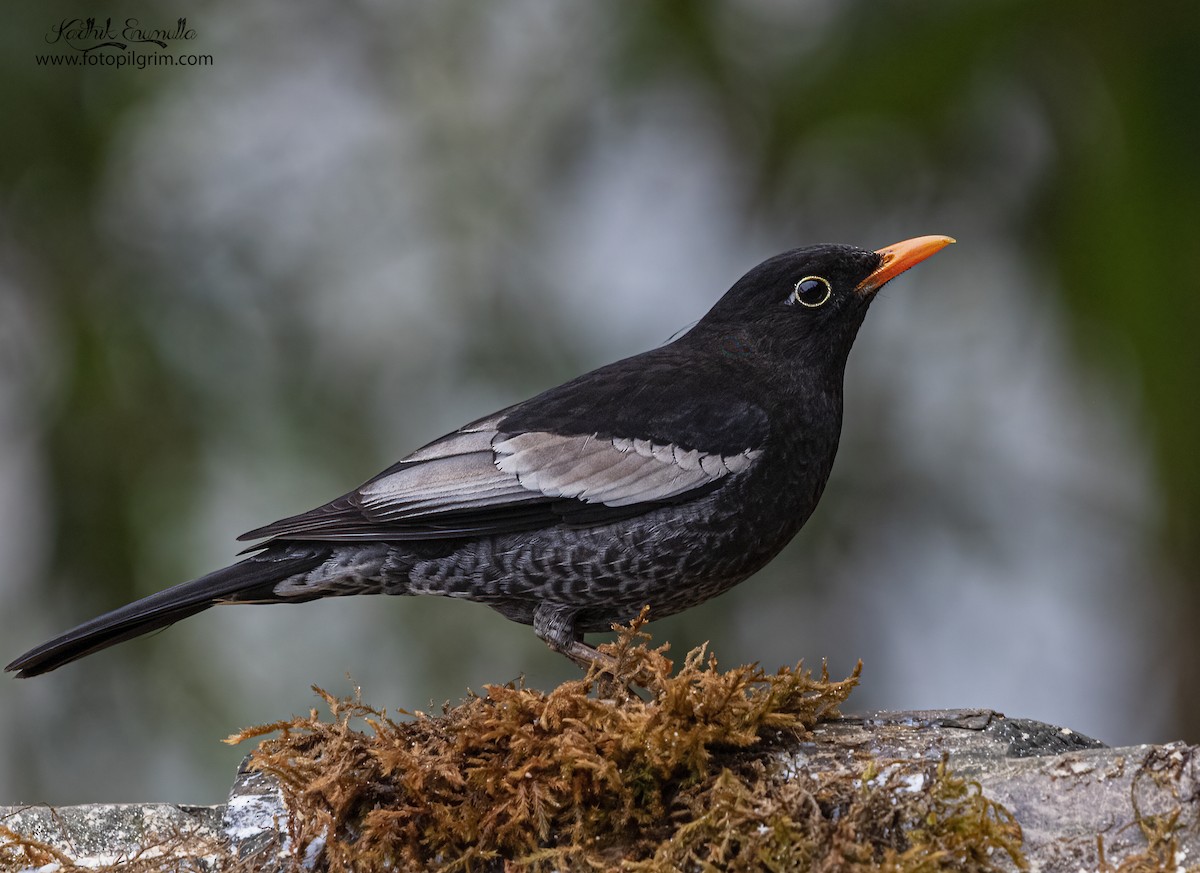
x=1070, y=793
x=105, y=834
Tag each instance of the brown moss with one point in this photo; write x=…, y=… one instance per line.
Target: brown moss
x=596, y=776
x=174, y=852
x=518, y=779
x=1163, y=767
x=918, y=818
x=18, y=851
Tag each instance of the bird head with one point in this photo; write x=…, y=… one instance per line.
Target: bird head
x=807, y=304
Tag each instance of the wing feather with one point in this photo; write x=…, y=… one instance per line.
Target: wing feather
x=481, y=480
x=615, y=472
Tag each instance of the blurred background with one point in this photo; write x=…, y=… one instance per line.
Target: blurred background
x=231, y=292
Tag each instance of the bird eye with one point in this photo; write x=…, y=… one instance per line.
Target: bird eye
x=811, y=291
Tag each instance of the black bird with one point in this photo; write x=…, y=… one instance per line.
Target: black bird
x=662, y=479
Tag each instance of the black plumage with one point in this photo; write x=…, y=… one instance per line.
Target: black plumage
x=661, y=479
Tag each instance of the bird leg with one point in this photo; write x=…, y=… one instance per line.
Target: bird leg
x=555, y=626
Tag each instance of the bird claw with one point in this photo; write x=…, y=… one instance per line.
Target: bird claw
x=600, y=668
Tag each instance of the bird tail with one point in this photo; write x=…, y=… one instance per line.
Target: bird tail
x=250, y=581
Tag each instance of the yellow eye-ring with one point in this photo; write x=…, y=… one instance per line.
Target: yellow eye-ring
x=812, y=291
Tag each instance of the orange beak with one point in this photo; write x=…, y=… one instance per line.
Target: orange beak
x=899, y=257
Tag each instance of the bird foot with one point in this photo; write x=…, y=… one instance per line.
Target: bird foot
x=556, y=627
x=586, y=656
x=601, y=668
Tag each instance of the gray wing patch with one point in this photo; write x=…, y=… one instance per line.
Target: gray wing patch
x=612, y=471
x=453, y=474
x=476, y=469
x=479, y=480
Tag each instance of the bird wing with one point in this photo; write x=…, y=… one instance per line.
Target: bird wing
x=481, y=480
x=513, y=471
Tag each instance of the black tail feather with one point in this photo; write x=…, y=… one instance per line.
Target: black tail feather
x=251, y=580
